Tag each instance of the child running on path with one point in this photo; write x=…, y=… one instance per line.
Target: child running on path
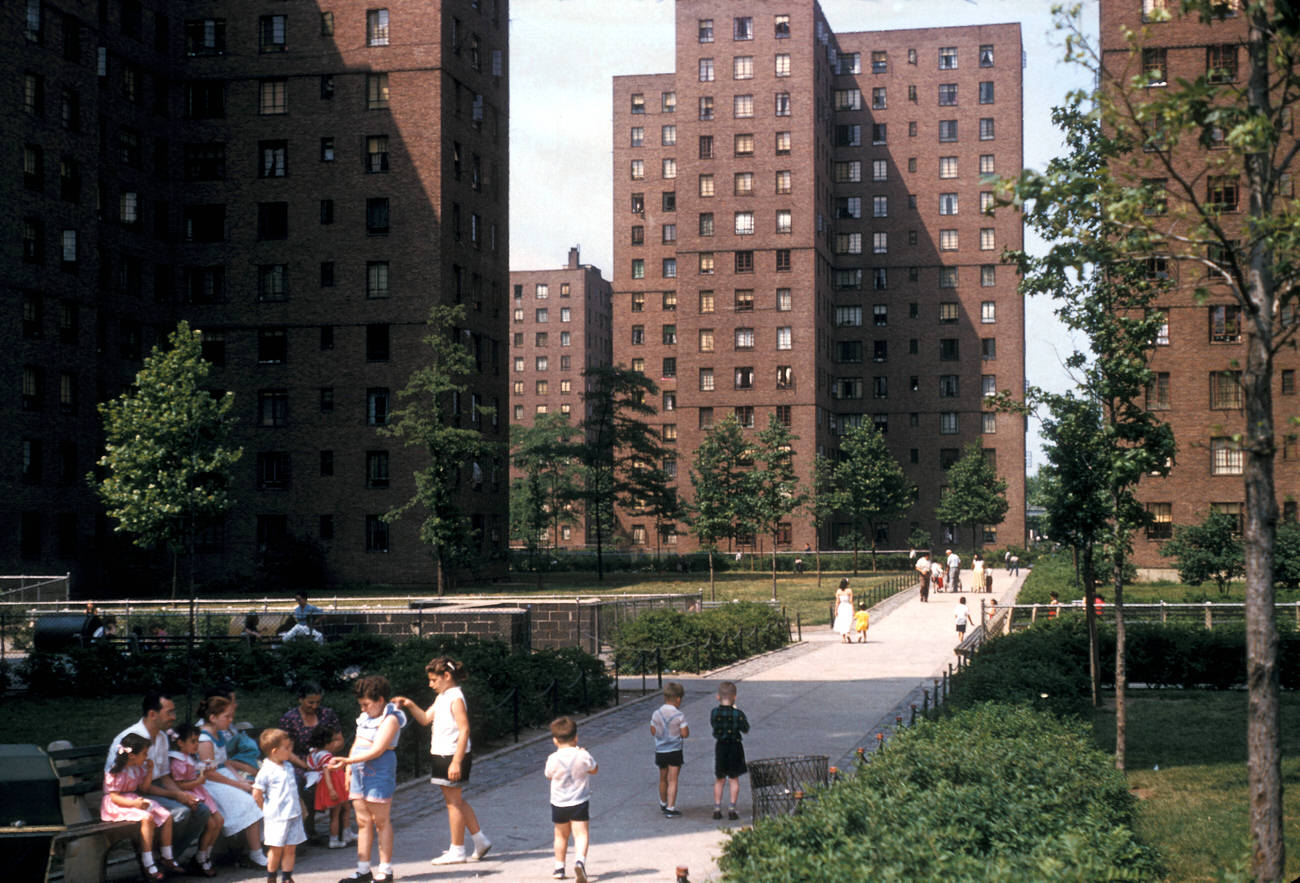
x=449, y=744
x=569, y=768
x=728, y=723
x=861, y=622
x=276, y=791
x=668, y=726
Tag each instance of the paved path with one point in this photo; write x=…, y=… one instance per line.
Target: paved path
x=818, y=697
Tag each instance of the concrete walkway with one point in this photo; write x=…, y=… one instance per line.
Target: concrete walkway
x=817, y=697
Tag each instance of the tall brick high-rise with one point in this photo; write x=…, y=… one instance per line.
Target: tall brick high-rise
x=1202, y=349
x=800, y=231
x=300, y=181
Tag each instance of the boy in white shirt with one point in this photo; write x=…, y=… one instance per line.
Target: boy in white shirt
x=276, y=791
x=569, y=770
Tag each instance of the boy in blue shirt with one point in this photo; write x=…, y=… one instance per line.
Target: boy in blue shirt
x=668, y=726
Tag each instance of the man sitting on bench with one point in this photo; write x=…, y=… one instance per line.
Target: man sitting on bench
x=189, y=815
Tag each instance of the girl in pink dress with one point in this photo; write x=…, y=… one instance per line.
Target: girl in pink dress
x=190, y=774
x=131, y=768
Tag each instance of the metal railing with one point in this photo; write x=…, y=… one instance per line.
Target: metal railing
x=1208, y=614
x=873, y=595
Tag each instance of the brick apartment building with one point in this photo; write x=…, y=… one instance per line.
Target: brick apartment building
x=560, y=326
x=301, y=181
x=1203, y=343
x=799, y=231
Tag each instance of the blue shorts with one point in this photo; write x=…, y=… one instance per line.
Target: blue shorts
x=375, y=781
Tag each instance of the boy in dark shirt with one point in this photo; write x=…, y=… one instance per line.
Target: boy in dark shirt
x=728, y=723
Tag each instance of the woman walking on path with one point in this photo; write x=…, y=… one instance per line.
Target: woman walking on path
x=452, y=759
x=977, y=565
x=844, y=611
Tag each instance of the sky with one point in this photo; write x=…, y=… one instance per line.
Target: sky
x=564, y=54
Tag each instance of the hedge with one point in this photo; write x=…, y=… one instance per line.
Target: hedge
x=695, y=641
x=998, y=793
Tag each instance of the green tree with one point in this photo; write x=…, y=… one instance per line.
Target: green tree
x=870, y=486
x=427, y=421
x=1287, y=569
x=718, y=477
x=619, y=451
x=822, y=502
x=167, y=452
x=1226, y=217
x=772, y=489
x=1209, y=550
x=975, y=494
x=541, y=499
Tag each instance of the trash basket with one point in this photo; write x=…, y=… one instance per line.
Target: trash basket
x=775, y=781
x=59, y=632
x=30, y=812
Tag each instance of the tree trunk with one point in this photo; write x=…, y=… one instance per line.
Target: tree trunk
x=872, y=528
x=1263, y=744
x=439, y=577
x=712, y=593
x=819, y=562
x=1121, y=669
x=773, y=565
x=856, y=539
x=1090, y=612
x=600, y=561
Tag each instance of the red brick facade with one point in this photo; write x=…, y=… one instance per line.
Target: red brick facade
x=300, y=181
x=794, y=235
x=1203, y=339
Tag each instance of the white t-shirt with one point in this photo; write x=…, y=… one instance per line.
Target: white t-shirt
x=159, y=750
x=960, y=617
x=444, y=733
x=279, y=790
x=569, y=770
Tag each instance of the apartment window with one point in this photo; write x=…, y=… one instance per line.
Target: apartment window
x=376, y=91
x=638, y=301
x=706, y=302
x=638, y=102
x=272, y=282
x=948, y=312
x=986, y=92
x=742, y=28
x=669, y=268
x=784, y=221
x=704, y=29
x=781, y=27
x=376, y=153
x=377, y=406
x=706, y=185
x=744, y=262
x=272, y=407
x=377, y=279
x=706, y=379
x=1221, y=193
x=637, y=136
x=848, y=99
x=273, y=97
x=744, y=300
x=782, y=143
x=880, y=351
x=948, y=240
x=668, y=102
x=949, y=351
x=743, y=106
x=744, y=377
x=879, y=62
x=377, y=27
x=667, y=136
x=1221, y=63
x=782, y=64
x=784, y=338
x=638, y=169
x=987, y=239
x=783, y=105
x=742, y=67
x=706, y=107
x=1225, y=390
x=878, y=133
x=275, y=159
x=848, y=243
x=271, y=37
x=988, y=349
x=1288, y=381
x=948, y=423
x=947, y=94
x=947, y=203
x=377, y=216
x=1226, y=457
x=880, y=243
x=947, y=130
x=947, y=58
x=1225, y=324
x=706, y=70
x=744, y=225
x=744, y=338
x=986, y=55
x=272, y=470
x=986, y=128
x=272, y=220
x=947, y=167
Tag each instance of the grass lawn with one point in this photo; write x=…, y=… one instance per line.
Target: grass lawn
x=798, y=593
x=1194, y=807
x=1055, y=573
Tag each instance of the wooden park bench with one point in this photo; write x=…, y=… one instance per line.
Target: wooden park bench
x=84, y=847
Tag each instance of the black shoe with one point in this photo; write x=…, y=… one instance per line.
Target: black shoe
x=731, y=814
x=672, y=813
x=717, y=814
x=367, y=877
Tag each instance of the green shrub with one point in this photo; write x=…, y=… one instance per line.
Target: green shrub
x=696, y=641
x=996, y=793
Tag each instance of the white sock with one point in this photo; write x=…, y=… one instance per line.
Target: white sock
x=386, y=869
x=166, y=852
x=146, y=859
x=362, y=867
x=479, y=837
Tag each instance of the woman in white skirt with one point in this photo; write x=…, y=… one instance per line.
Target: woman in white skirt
x=844, y=611
x=232, y=792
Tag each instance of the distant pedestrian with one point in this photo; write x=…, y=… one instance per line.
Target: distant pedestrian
x=923, y=569
x=962, y=619
x=936, y=575
x=1053, y=606
x=954, y=571
x=977, y=568
x=669, y=728
x=1006, y=559
x=1015, y=565
x=729, y=724
x=569, y=768
x=844, y=611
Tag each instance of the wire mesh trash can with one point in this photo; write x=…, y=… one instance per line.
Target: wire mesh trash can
x=779, y=783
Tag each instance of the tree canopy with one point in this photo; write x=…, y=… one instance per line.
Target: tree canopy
x=869, y=486
x=975, y=494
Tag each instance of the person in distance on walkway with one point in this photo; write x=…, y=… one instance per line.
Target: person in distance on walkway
x=923, y=570
x=861, y=622
x=954, y=571
x=669, y=728
x=448, y=721
x=569, y=768
x=728, y=723
x=962, y=619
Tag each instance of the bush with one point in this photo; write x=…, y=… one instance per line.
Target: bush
x=696, y=641
x=996, y=793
